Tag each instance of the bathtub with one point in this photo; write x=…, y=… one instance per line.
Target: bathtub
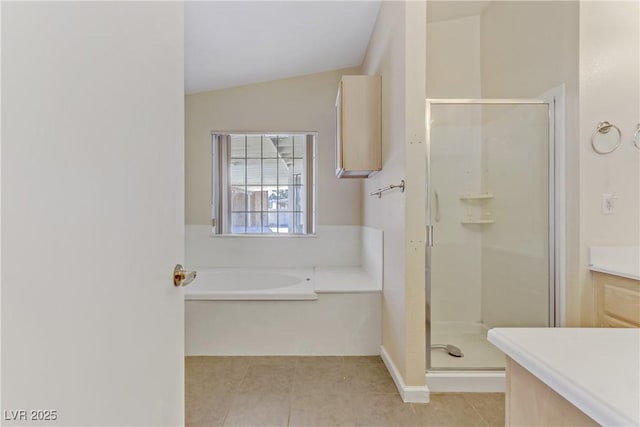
x=278, y=312
x=252, y=284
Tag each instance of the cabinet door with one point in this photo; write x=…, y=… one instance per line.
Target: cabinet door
x=358, y=127
x=612, y=322
x=622, y=303
x=617, y=301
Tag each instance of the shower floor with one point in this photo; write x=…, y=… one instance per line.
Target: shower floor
x=471, y=339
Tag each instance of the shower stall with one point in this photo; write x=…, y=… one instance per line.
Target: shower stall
x=491, y=215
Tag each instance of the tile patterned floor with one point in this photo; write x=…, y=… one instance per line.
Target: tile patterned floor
x=319, y=391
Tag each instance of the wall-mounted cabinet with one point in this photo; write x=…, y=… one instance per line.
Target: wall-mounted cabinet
x=358, y=127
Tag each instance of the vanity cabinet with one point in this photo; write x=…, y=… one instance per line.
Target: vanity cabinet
x=530, y=402
x=570, y=376
x=358, y=127
x=617, y=301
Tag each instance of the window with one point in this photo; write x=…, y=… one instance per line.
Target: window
x=263, y=183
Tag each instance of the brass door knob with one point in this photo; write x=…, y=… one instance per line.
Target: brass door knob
x=182, y=277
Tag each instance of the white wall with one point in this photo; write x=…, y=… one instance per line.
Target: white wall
x=609, y=90
x=396, y=52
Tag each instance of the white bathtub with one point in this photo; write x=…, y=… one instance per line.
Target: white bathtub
x=252, y=284
x=251, y=312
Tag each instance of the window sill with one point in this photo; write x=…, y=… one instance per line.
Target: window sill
x=264, y=236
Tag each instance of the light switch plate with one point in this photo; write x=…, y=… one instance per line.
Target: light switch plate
x=608, y=203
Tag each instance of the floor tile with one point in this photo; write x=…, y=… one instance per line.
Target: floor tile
x=369, y=378
x=268, y=379
x=321, y=409
x=290, y=361
x=490, y=406
x=360, y=360
x=249, y=410
x=320, y=378
x=206, y=409
x=215, y=376
x=319, y=391
x=382, y=410
x=320, y=361
x=447, y=410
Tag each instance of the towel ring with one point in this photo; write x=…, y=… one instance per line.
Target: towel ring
x=603, y=129
x=636, y=137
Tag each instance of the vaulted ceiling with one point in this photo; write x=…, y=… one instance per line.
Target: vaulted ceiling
x=233, y=43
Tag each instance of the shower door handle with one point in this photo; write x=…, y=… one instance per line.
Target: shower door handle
x=429, y=235
x=181, y=277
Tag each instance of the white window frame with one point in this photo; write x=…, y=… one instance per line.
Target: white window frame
x=221, y=188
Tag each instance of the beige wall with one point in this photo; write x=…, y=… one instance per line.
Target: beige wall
x=303, y=103
x=396, y=52
x=528, y=48
x=609, y=90
x=453, y=52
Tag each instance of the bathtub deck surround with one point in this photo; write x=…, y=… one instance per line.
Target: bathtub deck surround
x=286, y=295
x=319, y=391
x=240, y=284
x=334, y=324
x=246, y=284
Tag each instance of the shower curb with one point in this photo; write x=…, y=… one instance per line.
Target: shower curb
x=465, y=381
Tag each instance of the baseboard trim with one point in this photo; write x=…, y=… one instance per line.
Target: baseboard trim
x=465, y=382
x=409, y=394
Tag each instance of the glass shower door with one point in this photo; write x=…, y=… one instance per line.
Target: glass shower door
x=490, y=193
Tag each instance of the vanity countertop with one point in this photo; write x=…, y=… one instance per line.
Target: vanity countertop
x=596, y=369
x=623, y=261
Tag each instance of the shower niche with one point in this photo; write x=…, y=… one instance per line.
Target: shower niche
x=490, y=207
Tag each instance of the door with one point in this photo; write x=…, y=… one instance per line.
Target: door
x=491, y=211
x=92, y=213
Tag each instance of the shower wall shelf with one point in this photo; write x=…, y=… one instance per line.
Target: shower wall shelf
x=484, y=218
x=478, y=196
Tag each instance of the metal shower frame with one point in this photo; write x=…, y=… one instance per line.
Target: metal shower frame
x=555, y=216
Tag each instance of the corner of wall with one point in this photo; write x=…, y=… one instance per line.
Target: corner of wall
x=409, y=394
x=397, y=52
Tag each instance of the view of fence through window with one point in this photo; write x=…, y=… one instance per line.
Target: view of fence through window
x=267, y=183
